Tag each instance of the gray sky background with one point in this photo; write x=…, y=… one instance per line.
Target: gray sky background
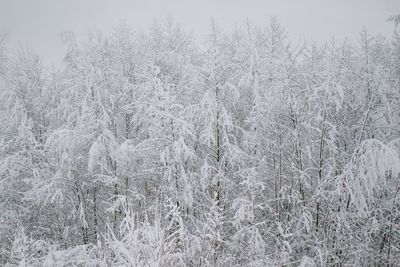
x=39, y=22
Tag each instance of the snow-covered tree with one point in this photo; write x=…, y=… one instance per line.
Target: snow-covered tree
x=149, y=149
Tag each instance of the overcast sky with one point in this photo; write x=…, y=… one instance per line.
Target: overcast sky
x=39, y=22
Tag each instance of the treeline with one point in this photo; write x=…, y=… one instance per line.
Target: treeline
x=153, y=149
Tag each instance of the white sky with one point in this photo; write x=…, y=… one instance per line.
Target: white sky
x=39, y=22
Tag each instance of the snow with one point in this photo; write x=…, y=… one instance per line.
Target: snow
x=149, y=149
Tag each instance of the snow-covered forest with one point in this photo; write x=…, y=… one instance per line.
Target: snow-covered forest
x=245, y=148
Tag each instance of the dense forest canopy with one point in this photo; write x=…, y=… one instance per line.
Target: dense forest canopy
x=244, y=149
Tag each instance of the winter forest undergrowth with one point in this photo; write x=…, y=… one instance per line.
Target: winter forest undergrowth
x=242, y=149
